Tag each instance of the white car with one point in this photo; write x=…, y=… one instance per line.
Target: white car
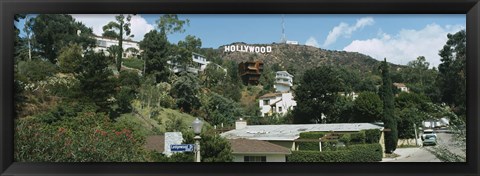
x=428, y=132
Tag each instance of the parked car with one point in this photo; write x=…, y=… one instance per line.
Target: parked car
x=427, y=132
x=430, y=139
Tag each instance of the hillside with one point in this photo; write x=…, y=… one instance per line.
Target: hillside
x=301, y=57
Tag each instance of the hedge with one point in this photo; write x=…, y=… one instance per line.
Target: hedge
x=357, y=138
x=353, y=153
x=372, y=136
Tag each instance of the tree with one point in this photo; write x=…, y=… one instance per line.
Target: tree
x=186, y=89
x=316, y=94
x=368, y=108
x=70, y=58
x=169, y=24
x=220, y=110
x=51, y=32
x=155, y=51
x=122, y=25
x=213, y=75
x=389, y=120
x=452, y=79
x=214, y=148
x=96, y=80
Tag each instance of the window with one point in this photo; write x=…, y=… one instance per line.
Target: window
x=279, y=109
x=266, y=102
x=255, y=158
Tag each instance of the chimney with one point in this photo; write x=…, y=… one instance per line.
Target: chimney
x=240, y=124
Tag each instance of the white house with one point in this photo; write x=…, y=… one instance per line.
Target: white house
x=103, y=43
x=401, y=86
x=287, y=135
x=276, y=103
x=283, y=81
x=199, y=64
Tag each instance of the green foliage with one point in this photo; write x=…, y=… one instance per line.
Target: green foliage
x=191, y=43
x=70, y=58
x=36, y=70
x=214, y=148
x=391, y=137
x=316, y=94
x=186, y=89
x=353, y=153
x=84, y=137
x=367, y=107
x=96, y=80
x=51, y=32
x=175, y=124
x=358, y=137
x=311, y=145
x=372, y=136
x=220, y=110
x=169, y=24
x=213, y=76
x=122, y=25
x=155, y=53
x=133, y=63
x=453, y=72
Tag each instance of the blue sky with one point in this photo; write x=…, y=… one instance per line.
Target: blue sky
x=399, y=38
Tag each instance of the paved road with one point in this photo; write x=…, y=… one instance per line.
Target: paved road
x=421, y=154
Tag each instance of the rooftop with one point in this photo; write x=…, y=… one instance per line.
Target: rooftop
x=292, y=132
x=269, y=95
x=156, y=143
x=247, y=146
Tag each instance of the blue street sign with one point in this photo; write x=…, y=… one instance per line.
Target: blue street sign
x=182, y=147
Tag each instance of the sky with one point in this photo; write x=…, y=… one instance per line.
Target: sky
x=399, y=38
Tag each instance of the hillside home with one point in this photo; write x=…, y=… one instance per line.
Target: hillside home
x=250, y=72
x=283, y=81
x=199, y=64
x=276, y=103
x=103, y=43
x=401, y=86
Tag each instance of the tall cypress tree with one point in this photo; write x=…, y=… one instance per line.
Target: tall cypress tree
x=391, y=137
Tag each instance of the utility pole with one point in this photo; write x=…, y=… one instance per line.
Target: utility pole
x=284, y=38
x=415, y=129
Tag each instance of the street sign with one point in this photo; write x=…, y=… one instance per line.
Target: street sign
x=182, y=147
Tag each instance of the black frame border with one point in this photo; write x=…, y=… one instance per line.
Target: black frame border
x=10, y=7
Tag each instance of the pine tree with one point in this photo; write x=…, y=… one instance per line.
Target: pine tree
x=391, y=137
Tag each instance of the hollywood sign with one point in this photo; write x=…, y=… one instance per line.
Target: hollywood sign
x=246, y=48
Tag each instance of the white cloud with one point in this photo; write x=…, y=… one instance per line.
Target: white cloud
x=345, y=30
x=407, y=45
x=139, y=25
x=312, y=42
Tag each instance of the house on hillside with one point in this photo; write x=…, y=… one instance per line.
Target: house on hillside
x=288, y=135
x=250, y=72
x=199, y=63
x=103, y=43
x=276, y=103
x=401, y=86
x=283, y=81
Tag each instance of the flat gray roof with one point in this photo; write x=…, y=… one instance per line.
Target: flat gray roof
x=292, y=132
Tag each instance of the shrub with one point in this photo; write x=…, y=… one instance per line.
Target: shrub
x=310, y=145
x=85, y=137
x=133, y=63
x=372, y=136
x=353, y=153
x=345, y=138
x=357, y=138
x=366, y=152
